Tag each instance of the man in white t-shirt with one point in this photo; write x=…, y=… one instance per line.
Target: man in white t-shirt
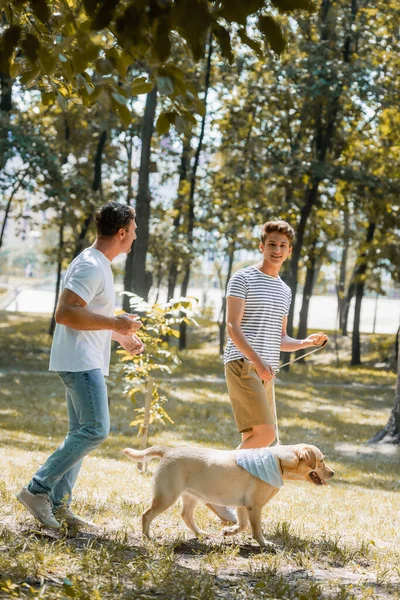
x=80, y=354
x=258, y=303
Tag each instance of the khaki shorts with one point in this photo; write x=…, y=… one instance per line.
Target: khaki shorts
x=252, y=402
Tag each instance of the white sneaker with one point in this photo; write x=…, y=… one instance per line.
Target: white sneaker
x=66, y=515
x=39, y=505
x=225, y=513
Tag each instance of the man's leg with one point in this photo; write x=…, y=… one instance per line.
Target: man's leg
x=88, y=394
x=63, y=488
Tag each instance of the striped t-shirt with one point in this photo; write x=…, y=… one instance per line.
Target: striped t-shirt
x=267, y=301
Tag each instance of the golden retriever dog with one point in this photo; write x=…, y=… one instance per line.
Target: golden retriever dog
x=213, y=476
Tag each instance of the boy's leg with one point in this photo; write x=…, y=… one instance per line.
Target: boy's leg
x=252, y=404
x=260, y=436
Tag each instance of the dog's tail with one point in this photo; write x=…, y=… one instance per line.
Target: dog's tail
x=145, y=455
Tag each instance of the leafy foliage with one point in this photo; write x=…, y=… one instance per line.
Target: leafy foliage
x=77, y=51
x=160, y=323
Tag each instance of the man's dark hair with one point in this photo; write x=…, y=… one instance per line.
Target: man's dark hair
x=280, y=227
x=113, y=216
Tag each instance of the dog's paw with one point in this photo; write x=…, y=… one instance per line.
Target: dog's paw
x=269, y=547
x=230, y=530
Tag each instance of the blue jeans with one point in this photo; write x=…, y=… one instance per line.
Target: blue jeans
x=88, y=427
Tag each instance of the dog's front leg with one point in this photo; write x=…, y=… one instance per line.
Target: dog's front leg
x=242, y=524
x=254, y=513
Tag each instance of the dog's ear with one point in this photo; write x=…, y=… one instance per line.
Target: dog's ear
x=306, y=453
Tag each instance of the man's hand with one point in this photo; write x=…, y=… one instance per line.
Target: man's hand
x=264, y=370
x=126, y=324
x=316, y=339
x=132, y=344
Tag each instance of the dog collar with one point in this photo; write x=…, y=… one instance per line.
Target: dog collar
x=261, y=463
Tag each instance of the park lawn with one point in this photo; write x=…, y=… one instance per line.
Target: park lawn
x=338, y=542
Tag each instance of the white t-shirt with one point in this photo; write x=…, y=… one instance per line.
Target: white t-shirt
x=267, y=301
x=90, y=276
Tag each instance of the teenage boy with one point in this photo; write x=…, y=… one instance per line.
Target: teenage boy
x=80, y=353
x=258, y=303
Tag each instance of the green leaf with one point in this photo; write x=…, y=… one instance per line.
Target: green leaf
x=192, y=19
x=14, y=70
x=238, y=10
x=48, y=61
x=273, y=32
x=162, y=42
x=253, y=44
x=165, y=85
x=7, y=44
x=40, y=10
x=62, y=102
x=163, y=124
x=286, y=6
x=124, y=113
x=224, y=41
x=141, y=85
x=48, y=98
x=119, y=98
x=30, y=46
x=29, y=75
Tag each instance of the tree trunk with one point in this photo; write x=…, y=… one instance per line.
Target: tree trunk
x=222, y=324
x=340, y=290
x=178, y=206
x=323, y=138
x=129, y=152
x=6, y=93
x=390, y=434
x=136, y=278
x=96, y=188
x=311, y=275
x=359, y=293
x=186, y=277
x=8, y=207
x=59, y=269
x=346, y=306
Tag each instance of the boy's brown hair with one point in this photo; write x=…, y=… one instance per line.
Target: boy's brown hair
x=280, y=227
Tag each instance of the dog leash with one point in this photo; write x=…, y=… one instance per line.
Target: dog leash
x=302, y=356
x=273, y=387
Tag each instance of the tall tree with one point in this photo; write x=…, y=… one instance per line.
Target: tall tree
x=136, y=277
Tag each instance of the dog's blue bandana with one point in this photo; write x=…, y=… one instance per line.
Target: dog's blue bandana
x=261, y=463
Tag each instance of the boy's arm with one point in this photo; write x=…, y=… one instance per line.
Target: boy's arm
x=289, y=344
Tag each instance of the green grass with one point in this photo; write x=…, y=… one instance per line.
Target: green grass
x=338, y=542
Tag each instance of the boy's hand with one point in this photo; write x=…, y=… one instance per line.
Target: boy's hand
x=264, y=370
x=316, y=339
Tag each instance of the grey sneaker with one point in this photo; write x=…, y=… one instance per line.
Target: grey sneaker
x=39, y=505
x=225, y=513
x=66, y=515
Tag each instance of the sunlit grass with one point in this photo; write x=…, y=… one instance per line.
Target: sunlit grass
x=340, y=541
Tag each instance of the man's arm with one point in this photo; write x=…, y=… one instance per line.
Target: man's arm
x=131, y=343
x=235, y=310
x=289, y=344
x=72, y=312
